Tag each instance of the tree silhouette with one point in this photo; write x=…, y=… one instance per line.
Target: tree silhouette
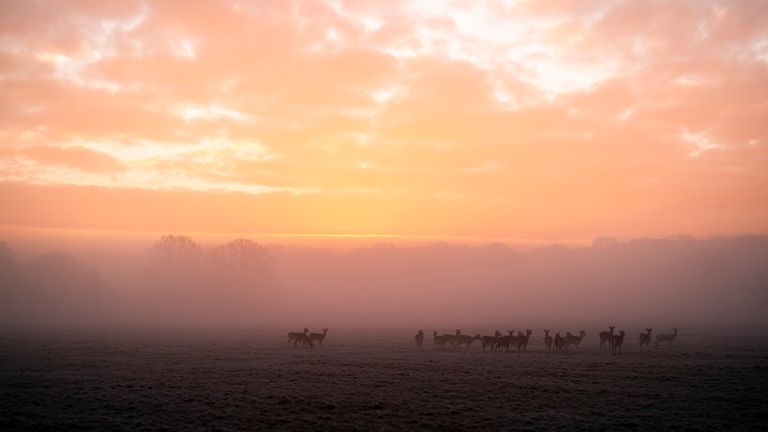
x=181, y=264
x=177, y=259
x=243, y=263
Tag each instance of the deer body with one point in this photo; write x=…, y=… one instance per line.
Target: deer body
x=490, y=341
x=503, y=342
x=320, y=337
x=522, y=340
x=573, y=340
x=559, y=342
x=645, y=338
x=617, y=343
x=466, y=339
x=666, y=337
x=419, y=339
x=606, y=337
x=297, y=337
x=547, y=340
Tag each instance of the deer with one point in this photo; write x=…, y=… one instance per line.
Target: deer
x=296, y=337
x=573, y=340
x=645, y=338
x=617, y=343
x=548, y=340
x=666, y=337
x=320, y=337
x=490, y=341
x=606, y=336
x=440, y=342
x=466, y=339
x=559, y=343
x=503, y=342
x=522, y=340
x=419, y=338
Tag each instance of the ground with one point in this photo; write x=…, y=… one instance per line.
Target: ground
x=241, y=379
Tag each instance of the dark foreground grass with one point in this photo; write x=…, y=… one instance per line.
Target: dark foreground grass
x=248, y=380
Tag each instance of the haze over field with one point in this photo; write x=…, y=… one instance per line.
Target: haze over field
x=712, y=283
x=398, y=163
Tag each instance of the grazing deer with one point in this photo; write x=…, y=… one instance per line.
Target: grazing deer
x=490, y=341
x=419, y=338
x=606, y=336
x=522, y=340
x=617, y=343
x=547, y=340
x=559, y=343
x=296, y=337
x=320, y=337
x=645, y=338
x=573, y=340
x=503, y=342
x=666, y=337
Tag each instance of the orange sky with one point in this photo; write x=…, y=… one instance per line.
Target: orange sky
x=547, y=120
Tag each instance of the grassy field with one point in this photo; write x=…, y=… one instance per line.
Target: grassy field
x=241, y=379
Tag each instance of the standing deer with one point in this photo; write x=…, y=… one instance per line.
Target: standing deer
x=297, y=337
x=503, y=342
x=547, y=340
x=606, y=336
x=419, y=338
x=617, y=343
x=666, y=337
x=573, y=340
x=490, y=341
x=645, y=338
x=320, y=337
x=559, y=342
x=522, y=340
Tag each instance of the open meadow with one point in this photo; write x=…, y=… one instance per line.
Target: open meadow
x=246, y=379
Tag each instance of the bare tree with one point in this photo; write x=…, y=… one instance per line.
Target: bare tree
x=173, y=254
x=242, y=264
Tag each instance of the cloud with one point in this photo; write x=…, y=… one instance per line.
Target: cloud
x=593, y=109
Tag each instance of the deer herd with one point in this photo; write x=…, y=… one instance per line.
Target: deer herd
x=306, y=339
x=506, y=343
x=558, y=343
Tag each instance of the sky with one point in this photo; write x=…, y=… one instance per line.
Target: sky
x=547, y=121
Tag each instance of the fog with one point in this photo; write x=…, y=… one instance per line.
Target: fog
x=180, y=280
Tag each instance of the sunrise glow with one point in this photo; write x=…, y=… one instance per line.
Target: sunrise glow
x=547, y=120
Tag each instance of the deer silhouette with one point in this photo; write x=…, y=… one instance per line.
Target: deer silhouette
x=666, y=337
x=490, y=341
x=606, y=337
x=320, y=337
x=547, y=340
x=645, y=338
x=559, y=343
x=617, y=344
x=297, y=337
x=573, y=340
x=419, y=338
x=522, y=340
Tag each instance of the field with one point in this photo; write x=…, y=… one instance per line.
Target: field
x=240, y=379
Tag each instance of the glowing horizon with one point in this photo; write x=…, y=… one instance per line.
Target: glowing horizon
x=548, y=121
